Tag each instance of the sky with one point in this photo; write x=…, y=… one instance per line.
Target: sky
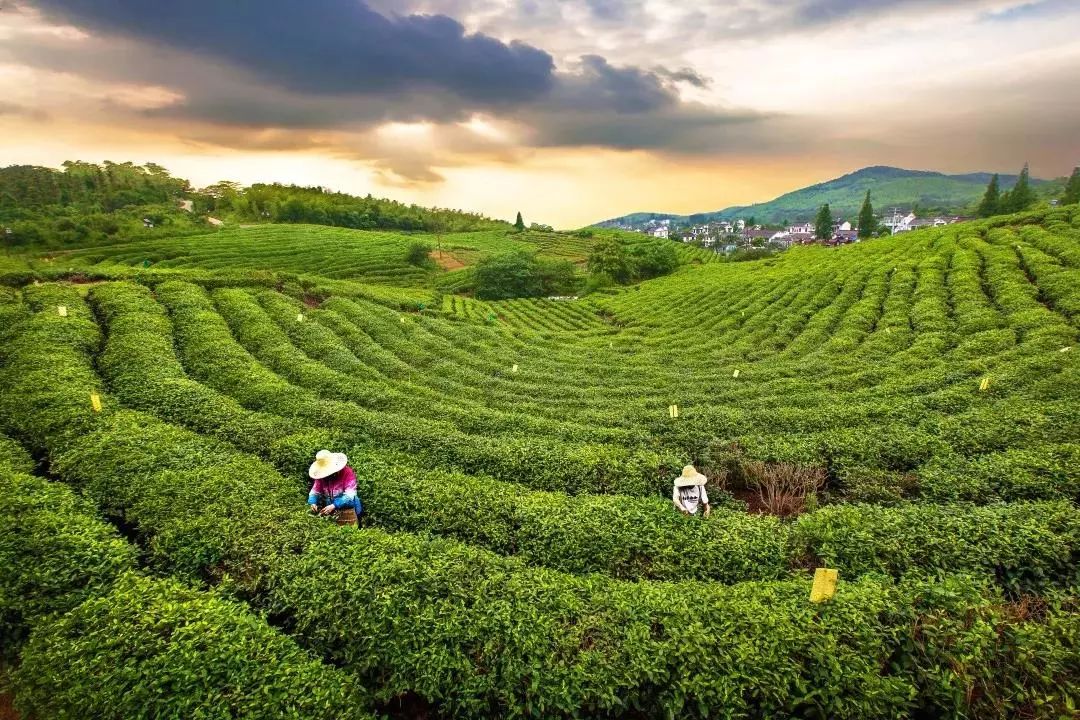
x=571, y=111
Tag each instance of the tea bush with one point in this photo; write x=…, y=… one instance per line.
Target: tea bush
x=153, y=648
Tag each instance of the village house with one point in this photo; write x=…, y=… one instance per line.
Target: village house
x=897, y=222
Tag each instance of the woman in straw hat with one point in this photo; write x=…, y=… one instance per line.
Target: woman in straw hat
x=689, y=492
x=334, y=490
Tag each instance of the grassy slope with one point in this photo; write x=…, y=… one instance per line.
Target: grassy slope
x=373, y=257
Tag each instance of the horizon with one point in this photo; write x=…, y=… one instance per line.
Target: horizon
x=568, y=112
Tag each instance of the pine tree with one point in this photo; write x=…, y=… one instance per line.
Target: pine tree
x=867, y=221
x=519, y=224
x=1072, y=189
x=823, y=226
x=1021, y=197
x=991, y=202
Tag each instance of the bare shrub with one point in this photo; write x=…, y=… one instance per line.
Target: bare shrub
x=785, y=489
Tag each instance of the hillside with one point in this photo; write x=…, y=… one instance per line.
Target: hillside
x=904, y=411
x=929, y=191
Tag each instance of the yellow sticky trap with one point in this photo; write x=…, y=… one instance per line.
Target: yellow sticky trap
x=61, y=310
x=824, y=585
x=1065, y=349
x=735, y=374
x=673, y=411
x=514, y=369
x=401, y=318
x=300, y=317
x=95, y=402
x=985, y=384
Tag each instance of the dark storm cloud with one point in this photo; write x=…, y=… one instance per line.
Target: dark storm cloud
x=599, y=85
x=327, y=46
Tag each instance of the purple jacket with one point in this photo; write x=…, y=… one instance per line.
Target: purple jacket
x=339, y=488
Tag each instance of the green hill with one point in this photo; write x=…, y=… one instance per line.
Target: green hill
x=904, y=411
x=889, y=187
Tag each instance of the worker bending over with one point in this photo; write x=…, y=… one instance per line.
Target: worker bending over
x=689, y=492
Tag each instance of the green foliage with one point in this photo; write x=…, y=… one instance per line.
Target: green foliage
x=318, y=206
x=491, y=577
x=991, y=201
x=1020, y=197
x=418, y=254
x=53, y=552
x=519, y=224
x=153, y=648
x=1072, y=189
x=867, y=219
x=823, y=224
x=509, y=275
x=653, y=260
x=608, y=257
x=522, y=275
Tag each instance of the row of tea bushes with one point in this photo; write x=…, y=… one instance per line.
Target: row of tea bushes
x=94, y=639
x=479, y=634
x=633, y=538
x=213, y=356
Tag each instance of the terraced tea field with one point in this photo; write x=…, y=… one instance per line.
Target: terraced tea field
x=520, y=555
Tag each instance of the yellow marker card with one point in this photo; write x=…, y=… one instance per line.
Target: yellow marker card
x=300, y=317
x=95, y=402
x=985, y=384
x=61, y=310
x=824, y=585
x=515, y=368
x=1066, y=349
x=735, y=374
x=401, y=318
x=673, y=411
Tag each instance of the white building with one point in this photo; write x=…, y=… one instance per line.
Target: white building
x=898, y=223
x=660, y=232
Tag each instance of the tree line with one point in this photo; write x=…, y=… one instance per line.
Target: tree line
x=87, y=204
x=319, y=206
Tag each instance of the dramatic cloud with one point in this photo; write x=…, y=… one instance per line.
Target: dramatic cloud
x=414, y=92
x=327, y=46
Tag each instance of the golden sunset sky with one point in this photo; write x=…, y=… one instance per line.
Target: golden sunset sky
x=570, y=111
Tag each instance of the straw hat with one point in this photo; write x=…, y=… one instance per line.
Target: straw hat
x=326, y=464
x=690, y=476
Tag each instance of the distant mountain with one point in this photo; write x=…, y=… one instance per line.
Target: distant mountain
x=889, y=187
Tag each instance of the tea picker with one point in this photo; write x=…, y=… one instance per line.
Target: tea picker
x=333, y=493
x=689, y=492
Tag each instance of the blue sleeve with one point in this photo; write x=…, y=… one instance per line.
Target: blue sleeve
x=343, y=501
x=312, y=498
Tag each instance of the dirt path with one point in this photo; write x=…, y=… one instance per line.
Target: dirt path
x=446, y=261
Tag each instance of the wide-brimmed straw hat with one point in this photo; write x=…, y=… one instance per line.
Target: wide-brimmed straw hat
x=690, y=476
x=326, y=464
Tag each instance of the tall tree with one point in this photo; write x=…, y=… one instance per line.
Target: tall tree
x=1021, y=197
x=823, y=225
x=608, y=257
x=1072, y=189
x=519, y=224
x=991, y=202
x=867, y=221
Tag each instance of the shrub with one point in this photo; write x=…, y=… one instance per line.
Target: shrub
x=418, y=254
x=153, y=648
x=509, y=275
x=53, y=553
x=785, y=489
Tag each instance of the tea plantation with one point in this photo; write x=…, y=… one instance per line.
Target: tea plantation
x=519, y=554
